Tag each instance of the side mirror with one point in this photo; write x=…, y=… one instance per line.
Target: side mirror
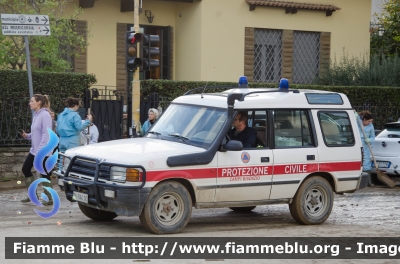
x=232, y=145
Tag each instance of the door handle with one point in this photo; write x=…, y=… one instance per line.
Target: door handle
x=264, y=159
x=310, y=157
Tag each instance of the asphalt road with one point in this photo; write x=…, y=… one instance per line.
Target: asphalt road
x=371, y=212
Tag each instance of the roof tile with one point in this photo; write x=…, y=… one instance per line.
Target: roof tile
x=298, y=5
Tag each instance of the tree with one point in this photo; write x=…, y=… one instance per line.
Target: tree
x=385, y=39
x=53, y=51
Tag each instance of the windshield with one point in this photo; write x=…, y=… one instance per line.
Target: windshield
x=193, y=125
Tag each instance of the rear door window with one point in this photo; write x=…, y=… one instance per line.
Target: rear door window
x=336, y=128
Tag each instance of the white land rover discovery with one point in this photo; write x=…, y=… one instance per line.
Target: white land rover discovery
x=304, y=155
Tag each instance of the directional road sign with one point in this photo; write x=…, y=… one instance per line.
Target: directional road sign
x=24, y=19
x=25, y=25
x=26, y=30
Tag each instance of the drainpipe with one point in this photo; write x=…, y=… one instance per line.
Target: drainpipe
x=136, y=80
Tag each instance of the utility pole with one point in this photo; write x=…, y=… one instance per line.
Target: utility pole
x=136, y=80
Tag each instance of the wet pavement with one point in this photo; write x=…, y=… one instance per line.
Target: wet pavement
x=371, y=212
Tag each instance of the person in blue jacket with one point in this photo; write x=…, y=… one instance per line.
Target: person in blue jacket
x=69, y=125
x=153, y=115
x=368, y=127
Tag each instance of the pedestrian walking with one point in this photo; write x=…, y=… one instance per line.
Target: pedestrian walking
x=39, y=137
x=69, y=125
x=53, y=120
x=368, y=127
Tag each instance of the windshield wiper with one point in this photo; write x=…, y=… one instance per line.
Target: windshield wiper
x=155, y=133
x=178, y=136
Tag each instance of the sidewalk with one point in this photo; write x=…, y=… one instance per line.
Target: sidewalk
x=13, y=184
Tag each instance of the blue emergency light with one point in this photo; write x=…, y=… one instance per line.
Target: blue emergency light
x=284, y=85
x=243, y=83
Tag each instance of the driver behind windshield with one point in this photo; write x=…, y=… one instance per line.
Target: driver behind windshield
x=243, y=133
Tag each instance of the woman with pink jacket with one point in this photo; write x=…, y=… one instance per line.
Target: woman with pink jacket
x=39, y=136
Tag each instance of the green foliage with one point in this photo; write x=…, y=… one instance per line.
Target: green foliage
x=14, y=98
x=173, y=89
x=383, y=102
x=387, y=42
x=362, y=71
x=15, y=83
x=55, y=50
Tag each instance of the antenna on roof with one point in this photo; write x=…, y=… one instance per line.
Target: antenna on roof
x=207, y=82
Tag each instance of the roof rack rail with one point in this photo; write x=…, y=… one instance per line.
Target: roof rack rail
x=210, y=87
x=270, y=91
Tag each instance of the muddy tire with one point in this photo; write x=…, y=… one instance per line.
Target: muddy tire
x=97, y=214
x=313, y=201
x=167, y=209
x=242, y=209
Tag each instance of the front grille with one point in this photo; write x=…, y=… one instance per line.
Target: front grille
x=88, y=168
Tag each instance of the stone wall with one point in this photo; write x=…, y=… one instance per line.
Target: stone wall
x=11, y=161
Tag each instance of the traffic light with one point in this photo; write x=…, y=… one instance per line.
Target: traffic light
x=131, y=56
x=148, y=51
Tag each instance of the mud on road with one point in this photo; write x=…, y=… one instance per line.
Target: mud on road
x=371, y=212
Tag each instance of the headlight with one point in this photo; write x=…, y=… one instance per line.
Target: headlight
x=122, y=174
x=118, y=174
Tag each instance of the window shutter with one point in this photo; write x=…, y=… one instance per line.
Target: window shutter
x=80, y=62
x=287, y=55
x=325, y=50
x=121, y=71
x=249, y=53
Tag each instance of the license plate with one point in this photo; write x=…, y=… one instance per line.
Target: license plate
x=382, y=164
x=81, y=197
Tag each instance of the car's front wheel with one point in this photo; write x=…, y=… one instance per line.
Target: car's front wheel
x=167, y=209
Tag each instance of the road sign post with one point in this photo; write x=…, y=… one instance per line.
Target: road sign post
x=25, y=25
x=28, y=66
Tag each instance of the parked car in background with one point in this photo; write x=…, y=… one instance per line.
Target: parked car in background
x=386, y=149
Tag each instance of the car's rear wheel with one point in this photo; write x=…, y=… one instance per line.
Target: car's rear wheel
x=96, y=214
x=313, y=201
x=167, y=209
x=242, y=209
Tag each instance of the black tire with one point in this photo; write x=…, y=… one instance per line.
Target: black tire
x=313, y=201
x=242, y=209
x=167, y=209
x=97, y=214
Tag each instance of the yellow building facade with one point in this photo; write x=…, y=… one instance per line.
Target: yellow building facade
x=220, y=40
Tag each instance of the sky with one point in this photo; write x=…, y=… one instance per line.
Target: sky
x=376, y=7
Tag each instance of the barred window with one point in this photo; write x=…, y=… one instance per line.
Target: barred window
x=267, y=55
x=306, y=47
